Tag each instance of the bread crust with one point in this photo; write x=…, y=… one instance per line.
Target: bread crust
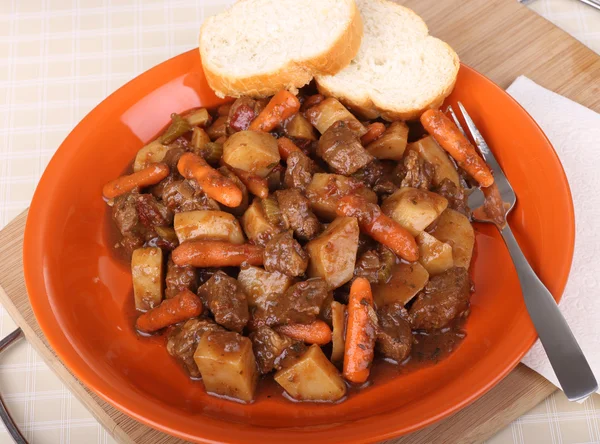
x=294, y=74
x=366, y=108
x=369, y=110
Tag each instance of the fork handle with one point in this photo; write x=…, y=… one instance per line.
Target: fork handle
x=565, y=355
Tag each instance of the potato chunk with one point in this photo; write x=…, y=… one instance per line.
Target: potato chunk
x=312, y=378
x=325, y=190
x=299, y=128
x=406, y=281
x=391, y=144
x=227, y=365
x=429, y=150
x=251, y=151
x=414, y=208
x=208, y=225
x=154, y=152
x=455, y=229
x=434, y=255
x=259, y=284
x=199, y=139
x=332, y=255
x=329, y=111
x=255, y=224
x=147, y=274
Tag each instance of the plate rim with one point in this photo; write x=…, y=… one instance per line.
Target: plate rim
x=49, y=324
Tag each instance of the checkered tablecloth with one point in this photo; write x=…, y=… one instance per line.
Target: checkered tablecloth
x=59, y=59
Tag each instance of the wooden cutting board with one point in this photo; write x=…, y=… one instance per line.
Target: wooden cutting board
x=499, y=38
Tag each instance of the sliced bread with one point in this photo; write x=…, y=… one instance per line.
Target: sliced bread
x=258, y=47
x=399, y=71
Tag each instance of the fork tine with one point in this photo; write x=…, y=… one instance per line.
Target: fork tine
x=484, y=149
x=456, y=121
x=477, y=137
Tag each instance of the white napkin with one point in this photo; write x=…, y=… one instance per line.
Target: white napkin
x=575, y=134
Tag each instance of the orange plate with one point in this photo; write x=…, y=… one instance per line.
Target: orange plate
x=82, y=298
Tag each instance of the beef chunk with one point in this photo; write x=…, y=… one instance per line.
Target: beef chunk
x=131, y=241
x=415, y=171
x=368, y=266
x=173, y=155
x=378, y=175
x=180, y=278
x=158, y=189
x=183, y=341
x=284, y=254
x=226, y=300
x=124, y=213
x=181, y=195
x=125, y=216
x=269, y=348
x=394, y=336
x=295, y=209
x=301, y=303
x=242, y=112
x=457, y=198
x=152, y=213
x=299, y=171
x=375, y=265
x=445, y=297
x=340, y=147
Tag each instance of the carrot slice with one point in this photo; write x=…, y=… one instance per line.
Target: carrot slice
x=180, y=308
x=374, y=130
x=143, y=178
x=360, y=332
x=317, y=332
x=255, y=184
x=493, y=207
x=281, y=106
x=379, y=226
x=213, y=183
x=447, y=134
x=287, y=147
x=206, y=253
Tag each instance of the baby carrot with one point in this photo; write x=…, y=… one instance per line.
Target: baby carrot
x=493, y=207
x=379, y=226
x=317, y=332
x=143, y=178
x=180, y=308
x=255, y=184
x=206, y=253
x=447, y=134
x=214, y=184
x=287, y=147
x=360, y=332
x=281, y=106
x=374, y=130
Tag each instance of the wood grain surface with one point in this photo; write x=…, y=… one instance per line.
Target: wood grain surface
x=499, y=38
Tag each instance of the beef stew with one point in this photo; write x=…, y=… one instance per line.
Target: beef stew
x=286, y=248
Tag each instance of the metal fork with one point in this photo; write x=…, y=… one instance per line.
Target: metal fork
x=565, y=355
